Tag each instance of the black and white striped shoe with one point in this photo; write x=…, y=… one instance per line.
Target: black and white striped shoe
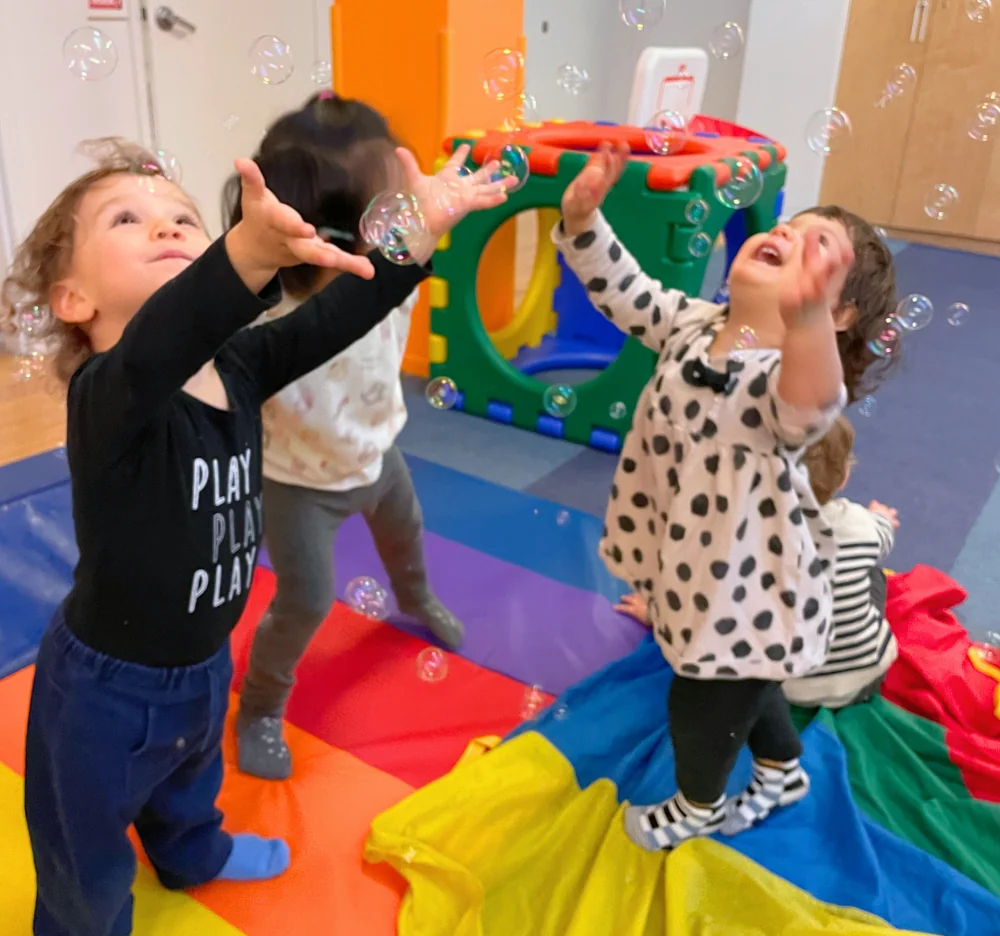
x=667, y=824
x=770, y=787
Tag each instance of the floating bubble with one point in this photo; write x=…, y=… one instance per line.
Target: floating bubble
x=914, y=312
x=503, y=74
x=977, y=10
x=884, y=341
x=532, y=702
x=32, y=320
x=167, y=166
x=230, y=122
x=902, y=80
x=394, y=224
x=828, y=130
x=442, y=393
x=365, y=596
x=700, y=245
x=641, y=14
x=984, y=125
x=666, y=132
x=958, y=314
x=881, y=233
x=562, y=518
x=560, y=712
x=726, y=41
x=451, y=189
x=432, y=664
x=322, y=74
x=746, y=341
x=29, y=366
x=744, y=186
x=940, y=200
x=618, y=410
x=525, y=112
x=512, y=163
x=696, y=211
x=271, y=60
x=89, y=54
x=989, y=649
x=867, y=406
x=559, y=400
x=572, y=79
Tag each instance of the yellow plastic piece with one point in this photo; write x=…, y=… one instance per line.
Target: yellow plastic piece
x=445, y=242
x=437, y=349
x=977, y=659
x=476, y=748
x=437, y=292
x=554, y=860
x=440, y=163
x=472, y=135
x=534, y=317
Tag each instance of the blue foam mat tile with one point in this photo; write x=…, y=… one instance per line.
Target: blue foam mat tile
x=20, y=478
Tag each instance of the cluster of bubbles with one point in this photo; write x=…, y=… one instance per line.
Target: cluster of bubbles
x=32, y=324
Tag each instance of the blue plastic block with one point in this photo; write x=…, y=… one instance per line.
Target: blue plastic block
x=605, y=440
x=758, y=139
x=606, y=123
x=500, y=412
x=711, y=134
x=779, y=204
x=736, y=235
x=550, y=426
x=460, y=402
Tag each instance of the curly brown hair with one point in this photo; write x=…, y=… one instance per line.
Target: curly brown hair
x=44, y=257
x=871, y=289
x=829, y=460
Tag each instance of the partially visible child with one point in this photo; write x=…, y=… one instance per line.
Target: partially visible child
x=330, y=437
x=862, y=646
x=711, y=517
x=132, y=677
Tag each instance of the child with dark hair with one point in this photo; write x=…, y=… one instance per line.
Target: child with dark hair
x=330, y=437
x=711, y=517
x=164, y=435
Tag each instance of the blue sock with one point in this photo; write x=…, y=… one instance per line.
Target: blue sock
x=255, y=859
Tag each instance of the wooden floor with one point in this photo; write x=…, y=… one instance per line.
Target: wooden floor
x=32, y=413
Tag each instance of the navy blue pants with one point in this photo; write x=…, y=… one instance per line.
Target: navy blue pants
x=111, y=744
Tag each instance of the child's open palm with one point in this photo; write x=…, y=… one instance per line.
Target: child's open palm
x=273, y=235
x=816, y=282
x=586, y=193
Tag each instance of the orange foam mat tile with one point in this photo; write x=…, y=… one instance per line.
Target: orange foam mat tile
x=324, y=813
x=357, y=688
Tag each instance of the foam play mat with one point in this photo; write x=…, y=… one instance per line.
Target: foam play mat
x=407, y=814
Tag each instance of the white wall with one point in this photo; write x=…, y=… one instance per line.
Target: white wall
x=45, y=111
x=791, y=71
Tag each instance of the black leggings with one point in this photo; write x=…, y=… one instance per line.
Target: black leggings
x=711, y=720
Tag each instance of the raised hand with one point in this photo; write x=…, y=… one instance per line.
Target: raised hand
x=634, y=606
x=448, y=196
x=586, y=193
x=816, y=277
x=272, y=235
x=890, y=513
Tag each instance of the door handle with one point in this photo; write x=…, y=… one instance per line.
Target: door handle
x=168, y=21
x=925, y=18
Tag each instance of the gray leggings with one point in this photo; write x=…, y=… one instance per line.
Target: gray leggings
x=300, y=528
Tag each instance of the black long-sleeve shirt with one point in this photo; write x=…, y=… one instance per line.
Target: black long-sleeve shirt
x=166, y=488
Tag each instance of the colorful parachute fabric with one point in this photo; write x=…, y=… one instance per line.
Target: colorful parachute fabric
x=528, y=838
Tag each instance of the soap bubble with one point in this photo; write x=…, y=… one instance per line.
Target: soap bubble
x=562, y=518
x=641, y=14
x=230, y=122
x=29, y=366
x=940, y=200
x=532, y=702
x=746, y=341
x=696, y=211
x=914, y=312
x=867, y=406
x=560, y=712
x=503, y=74
x=89, y=54
x=525, y=112
x=744, y=186
x=450, y=188
x=977, y=10
x=881, y=234
x=166, y=165
x=828, y=130
x=394, y=224
x=989, y=649
x=618, y=410
x=512, y=164
x=902, y=80
x=442, y=393
x=726, y=41
x=32, y=320
x=365, y=596
x=700, y=245
x=958, y=314
x=322, y=74
x=432, y=664
x=884, y=341
x=559, y=400
x=572, y=79
x=271, y=60
x=984, y=125
x=666, y=132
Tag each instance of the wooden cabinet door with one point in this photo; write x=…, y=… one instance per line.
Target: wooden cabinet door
x=881, y=36
x=961, y=67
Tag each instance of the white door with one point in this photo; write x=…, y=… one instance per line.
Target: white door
x=207, y=105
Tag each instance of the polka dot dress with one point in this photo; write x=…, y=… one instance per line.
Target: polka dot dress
x=711, y=517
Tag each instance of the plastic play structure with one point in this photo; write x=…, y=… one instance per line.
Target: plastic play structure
x=667, y=212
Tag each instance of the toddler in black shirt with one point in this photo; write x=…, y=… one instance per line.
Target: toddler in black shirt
x=165, y=386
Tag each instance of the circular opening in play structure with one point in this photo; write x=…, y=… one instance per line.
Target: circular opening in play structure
x=520, y=283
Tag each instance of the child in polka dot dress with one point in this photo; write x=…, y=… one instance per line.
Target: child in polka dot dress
x=711, y=518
